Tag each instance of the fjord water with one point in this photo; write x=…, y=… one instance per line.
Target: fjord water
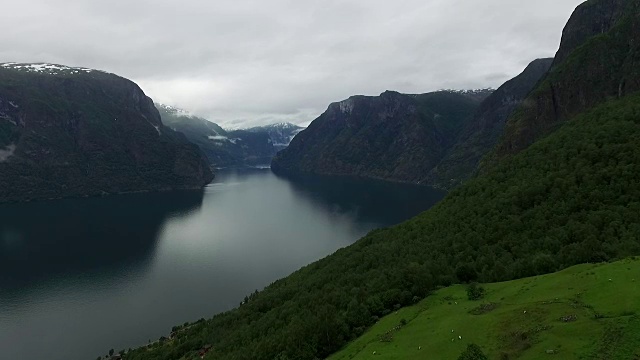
x=81, y=276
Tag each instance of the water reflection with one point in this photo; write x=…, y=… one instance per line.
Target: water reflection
x=40, y=240
x=378, y=202
x=80, y=276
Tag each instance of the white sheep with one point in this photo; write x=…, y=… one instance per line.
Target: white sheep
x=460, y=337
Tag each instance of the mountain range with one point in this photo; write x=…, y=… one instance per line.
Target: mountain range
x=543, y=174
x=558, y=188
x=394, y=136
x=436, y=139
x=79, y=132
x=223, y=148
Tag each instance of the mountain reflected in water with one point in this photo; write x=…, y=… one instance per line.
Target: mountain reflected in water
x=40, y=240
x=81, y=276
x=382, y=203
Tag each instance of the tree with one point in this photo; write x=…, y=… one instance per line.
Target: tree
x=473, y=352
x=111, y=352
x=466, y=273
x=358, y=314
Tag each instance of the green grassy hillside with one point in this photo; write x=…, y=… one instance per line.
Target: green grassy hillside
x=584, y=312
x=569, y=199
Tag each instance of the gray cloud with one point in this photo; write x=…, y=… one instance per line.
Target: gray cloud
x=244, y=62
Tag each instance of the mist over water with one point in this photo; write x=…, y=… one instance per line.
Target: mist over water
x=81, y=276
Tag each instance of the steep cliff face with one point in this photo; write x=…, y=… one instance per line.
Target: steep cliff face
x=482, y=133
x=393, y=136
x=598, y=60
x=75, y=132
x=590, y=19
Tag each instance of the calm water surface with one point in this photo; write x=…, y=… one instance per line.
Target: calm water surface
x=81, y=276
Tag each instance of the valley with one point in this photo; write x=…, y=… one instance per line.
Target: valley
x=494, y=218
x=157, y=260
x=229, y=148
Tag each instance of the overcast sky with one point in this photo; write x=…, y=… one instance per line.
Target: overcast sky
x=245, y=62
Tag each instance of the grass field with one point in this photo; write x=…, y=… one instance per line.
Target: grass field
x=585, y=312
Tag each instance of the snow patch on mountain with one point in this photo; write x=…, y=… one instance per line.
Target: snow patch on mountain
x=281, y=134
x=44, y=68
x=218, y=137
x=174, y=110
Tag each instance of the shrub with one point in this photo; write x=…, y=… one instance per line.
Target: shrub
x=473, y=352
x=475, y=291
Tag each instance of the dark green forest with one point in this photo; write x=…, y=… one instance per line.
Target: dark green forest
x=394, y=136
x=572, y=197
x=88, y=134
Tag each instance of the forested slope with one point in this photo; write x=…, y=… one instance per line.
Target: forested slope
x=569, y=195
x=68, y=132
x=481, y=134
x=571, y=198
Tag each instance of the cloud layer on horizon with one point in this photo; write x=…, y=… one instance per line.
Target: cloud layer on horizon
x=252, y=62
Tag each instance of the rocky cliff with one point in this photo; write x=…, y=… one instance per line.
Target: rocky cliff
x=393, y=136
x=79, y=132
x=598, y=60
x=482, y=133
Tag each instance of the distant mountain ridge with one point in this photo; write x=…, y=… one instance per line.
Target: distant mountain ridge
x=281, y=134
x=442, y=154
x=477, y=94
x=224, y=148
x=68, y=131
x=394, y=136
